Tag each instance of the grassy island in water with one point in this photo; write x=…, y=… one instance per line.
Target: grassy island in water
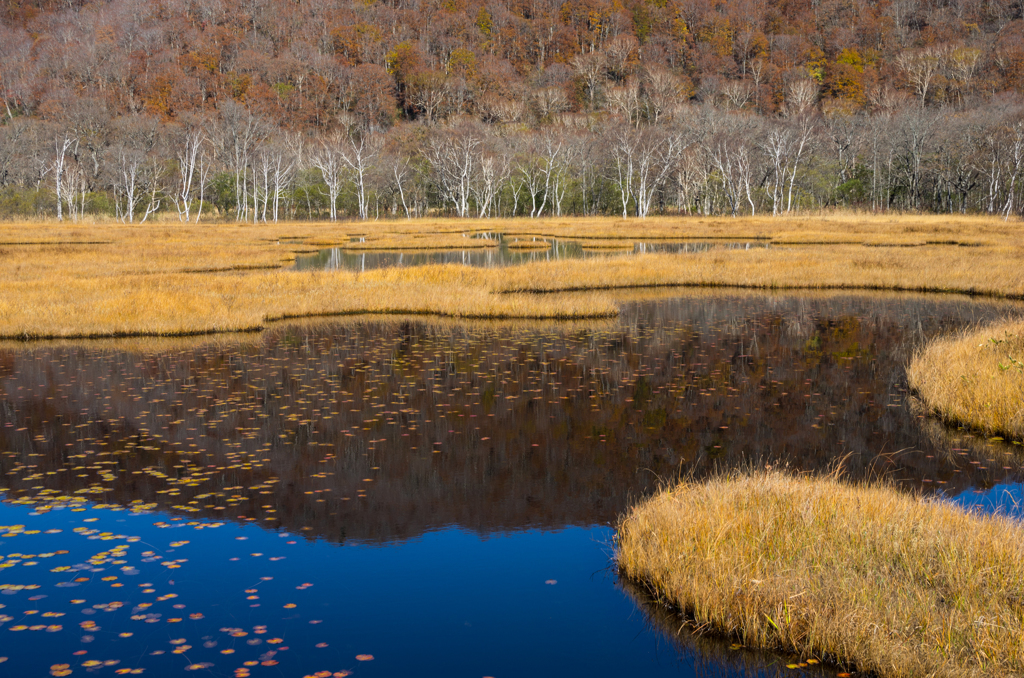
x=864, y=576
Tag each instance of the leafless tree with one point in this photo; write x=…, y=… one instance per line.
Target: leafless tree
x=285, y=155
x=623, y=149
x=664, y=92
x=530, y=172
x=801, y=96
x=397, y=177
x=64, y=171
x=658, y=152
x=737, y=93
x=549, y=102
x=887, y=100
x=621, y=52
x=359, y=152
x=135, y=169
x=239, y=133
x=494, y=169
x=590, y=68
x=902, y=13
x=12, y=139
x=954, y=165
x=128, y=185
x=500, y=109
x=1015, y=164
x=327, y=159
x=193, y=173
x=556, y=154
x=693, y=179
x=16, y=67
x=430, y=94
x=625, y=99
x=643, y=160
x=730, y=145
x=842, y=134
x=963, y=63
x=452, y=154
x=915, y=130
x=920, y=68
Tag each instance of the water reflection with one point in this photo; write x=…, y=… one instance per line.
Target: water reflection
x=377, y=430
x=507, y=252
x=712, y=656
x=471, y=470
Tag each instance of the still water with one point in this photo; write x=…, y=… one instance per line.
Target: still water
x=504, y=253
x=403, y=497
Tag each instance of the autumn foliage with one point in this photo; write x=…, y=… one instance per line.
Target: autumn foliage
x=309, y=68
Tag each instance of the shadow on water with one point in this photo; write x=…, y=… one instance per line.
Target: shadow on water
x=463, y=473
x=505, y=253
x=713, y=656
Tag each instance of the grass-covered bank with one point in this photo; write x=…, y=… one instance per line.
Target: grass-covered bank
x=172, y=279
x=975, y=379
x=860, y=575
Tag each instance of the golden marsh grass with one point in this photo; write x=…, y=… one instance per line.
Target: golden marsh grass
x=860, y=575
x=975, y=379
x=172, y=279
x=177, y=304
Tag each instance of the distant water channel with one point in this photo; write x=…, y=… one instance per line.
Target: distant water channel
x=504, y=253
x=418, y=497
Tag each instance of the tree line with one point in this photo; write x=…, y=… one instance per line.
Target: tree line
x=325, y=109
x=699, y=160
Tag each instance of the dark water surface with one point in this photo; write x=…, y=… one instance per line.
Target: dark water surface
x=541, y=249
x=438, y=495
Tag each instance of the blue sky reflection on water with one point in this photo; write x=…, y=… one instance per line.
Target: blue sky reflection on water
x=447, y=603
x=1003, y=498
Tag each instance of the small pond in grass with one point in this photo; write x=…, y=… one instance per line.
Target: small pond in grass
x=505, y=252
x=420, y=497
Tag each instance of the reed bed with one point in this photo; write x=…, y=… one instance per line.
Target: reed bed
x=975, y=379
x=180, y=304
x=985, y=271
x=865, y=576
x=172, y=279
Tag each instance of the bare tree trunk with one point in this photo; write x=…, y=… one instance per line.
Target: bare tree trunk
x=63, y=147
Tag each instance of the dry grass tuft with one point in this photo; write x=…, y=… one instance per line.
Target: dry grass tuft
x=867, y=576
x=975, y=379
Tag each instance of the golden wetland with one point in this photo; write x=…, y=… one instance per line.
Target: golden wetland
x=547, y=395
x=92, y=280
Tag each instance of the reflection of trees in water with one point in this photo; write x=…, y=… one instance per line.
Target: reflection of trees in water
x=712, y=656
x=549, y=249
x=380, y=430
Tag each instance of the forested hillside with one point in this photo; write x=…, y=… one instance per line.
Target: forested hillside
x=273, y=109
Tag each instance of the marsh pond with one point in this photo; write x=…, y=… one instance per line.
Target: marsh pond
x=503, y=252
x=412, y=496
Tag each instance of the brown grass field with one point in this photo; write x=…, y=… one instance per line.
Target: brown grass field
x=975, y=379
x=167, y=278
x=821, y=568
